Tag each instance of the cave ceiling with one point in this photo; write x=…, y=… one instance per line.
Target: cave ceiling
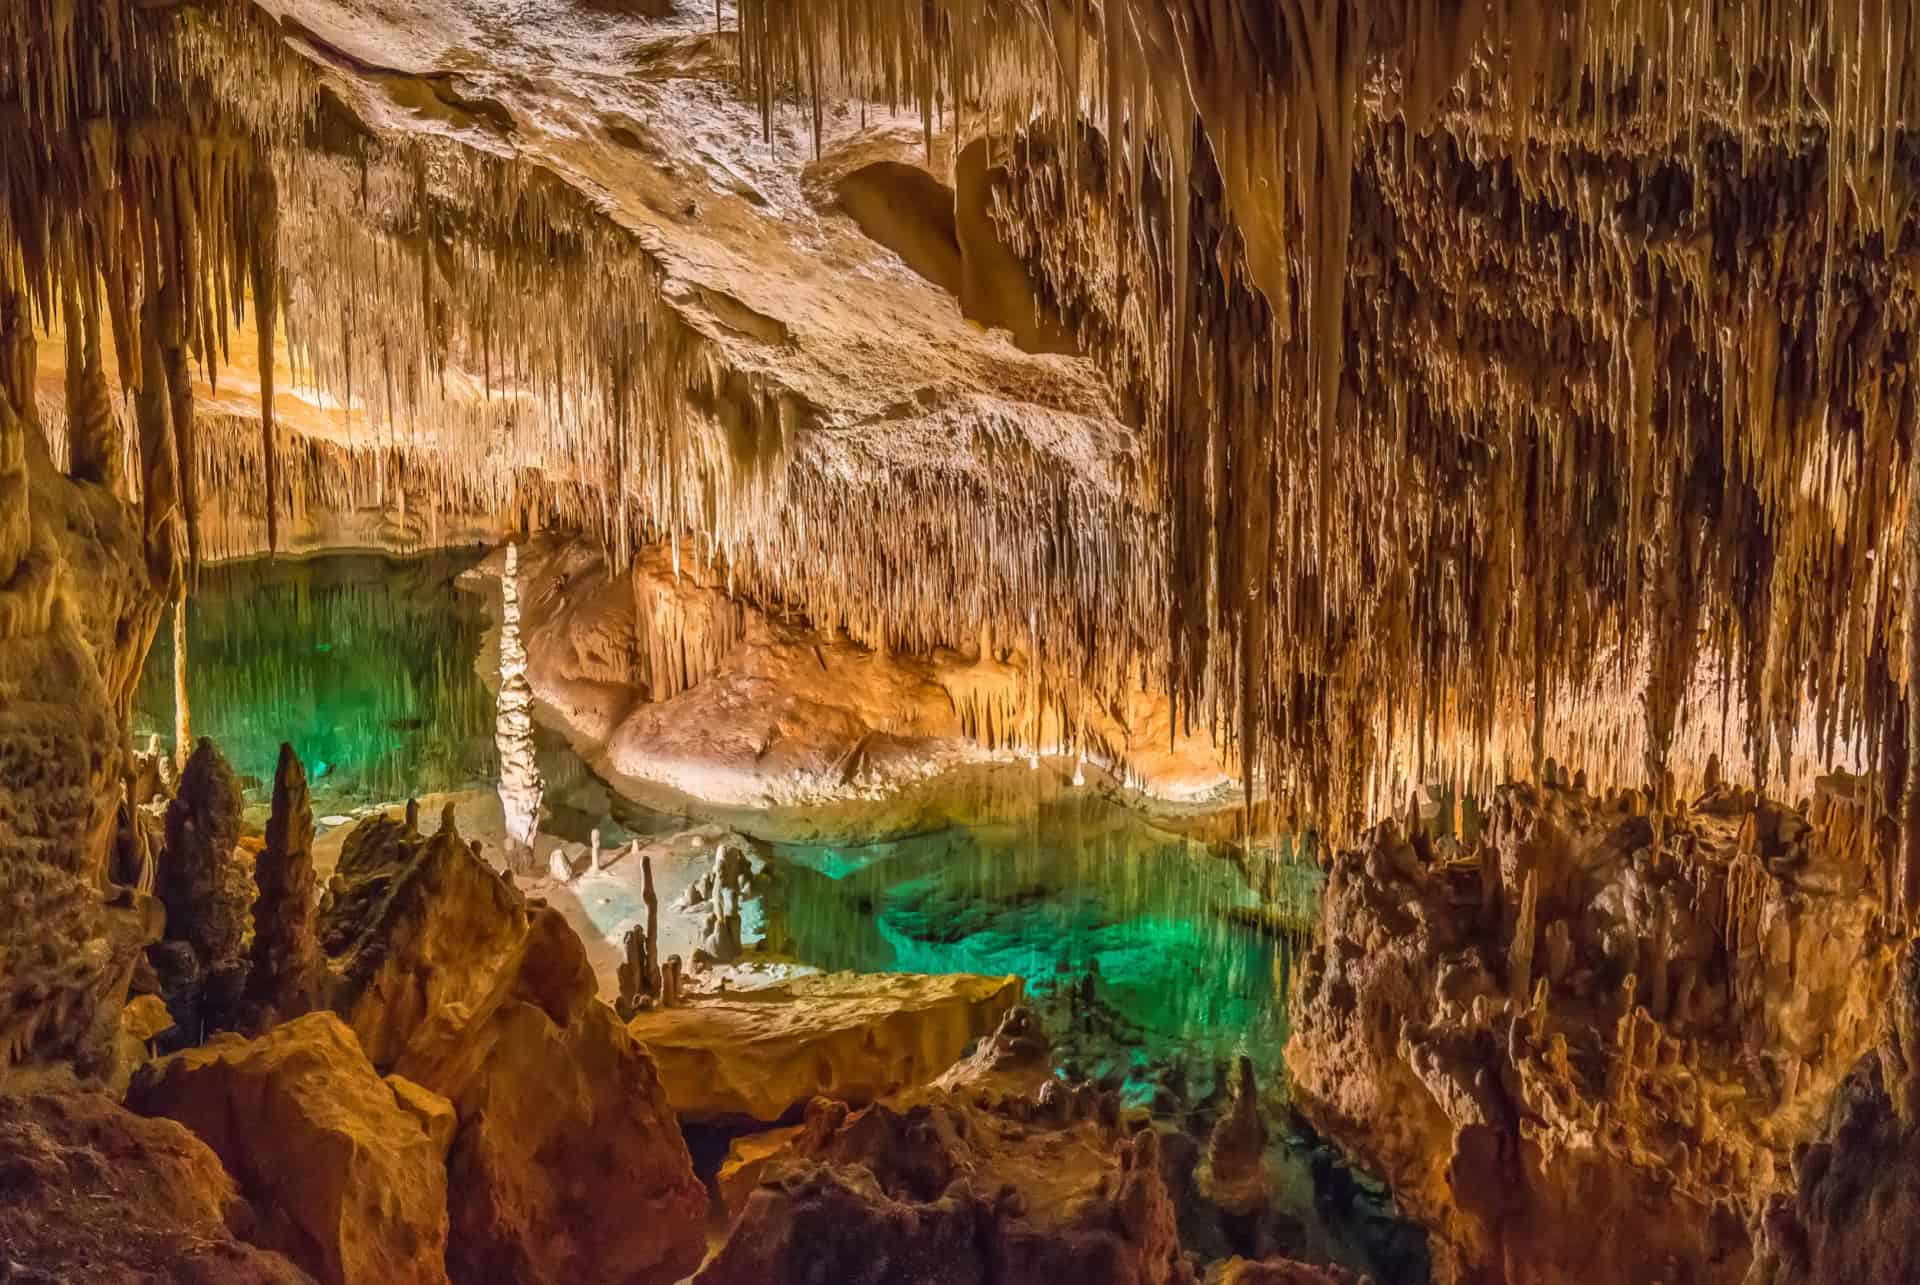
x=1415, y=391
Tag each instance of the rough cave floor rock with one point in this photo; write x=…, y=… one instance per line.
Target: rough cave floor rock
x=854, y=1037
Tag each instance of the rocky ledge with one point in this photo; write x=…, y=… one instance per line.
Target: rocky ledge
x=1594, y=1010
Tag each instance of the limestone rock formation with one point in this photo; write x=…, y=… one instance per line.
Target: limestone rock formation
x=286, y=972
x=1701, y=979
x=92, y=1194
x=206, y=884
x=854, y=1037
x=520, y=784
x=76, y=617
x=412, y=926
x=1234, y=1177
x=346, y=1182
x=940, y=1189
x=1278, y=1271
x=1850, y=1209
x=567, y=1165
x=665, y=678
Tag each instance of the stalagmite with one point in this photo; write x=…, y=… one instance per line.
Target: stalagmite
x=182, y=711
x=287, y=969
x=1910, y=828
x=1520, y=953
x=521, y=785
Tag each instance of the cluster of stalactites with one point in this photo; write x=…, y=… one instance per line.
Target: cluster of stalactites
x=1555, y=364
x=138, y=205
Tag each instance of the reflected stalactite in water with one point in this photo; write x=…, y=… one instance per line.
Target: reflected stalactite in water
x=365, y=664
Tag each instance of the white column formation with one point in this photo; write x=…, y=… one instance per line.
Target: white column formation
x=520, y=783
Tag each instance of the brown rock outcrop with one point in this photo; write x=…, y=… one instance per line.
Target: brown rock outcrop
x=852, y=1037
x=345, y=1179
x=939, y=1188
x=1850, y=1214
x=412, y=927
x=76, y=617
x=92, y=1194
x=568, y=1166
x=1701, y=981
x=1278, y=1271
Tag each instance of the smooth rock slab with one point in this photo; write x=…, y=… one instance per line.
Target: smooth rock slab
x=854, y=1037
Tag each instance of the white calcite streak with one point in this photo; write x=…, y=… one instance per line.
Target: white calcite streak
x=520, y=784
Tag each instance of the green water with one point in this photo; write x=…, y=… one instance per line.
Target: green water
x=1078, y=888
x=365, y=663
x=1152, y=958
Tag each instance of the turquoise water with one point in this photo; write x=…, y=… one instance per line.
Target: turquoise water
x=1079, y=892
x=1153, y=958
x=364, y=663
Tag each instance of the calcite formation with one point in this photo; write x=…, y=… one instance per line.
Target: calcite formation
x=520, y=784
x=567, y=1165
x=412, y=926
x=1593, y=1009
x=285, y=977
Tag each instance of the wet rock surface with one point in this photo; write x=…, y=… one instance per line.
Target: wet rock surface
x=1593, y=1010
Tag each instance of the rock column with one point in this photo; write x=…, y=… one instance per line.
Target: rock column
x=520, y=784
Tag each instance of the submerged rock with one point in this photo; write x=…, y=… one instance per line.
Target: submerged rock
x=92, y=1194
x=855, y=1037
x=567, y=1166
x=345, y=1178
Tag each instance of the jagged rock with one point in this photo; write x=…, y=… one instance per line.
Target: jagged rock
x=435, y=1113
x=855, y=1037
x=568, y=1166
x=207, y=886
x=92, y=1194
x=747, y=1159
x=1527, y=1130
x=939, y=1189
x=1850, y=1213
x=345, y=1179
x=413, y=927
x=286, y=974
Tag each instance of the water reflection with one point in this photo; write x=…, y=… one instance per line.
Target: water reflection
x=1078, y=895
x=365, y=663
